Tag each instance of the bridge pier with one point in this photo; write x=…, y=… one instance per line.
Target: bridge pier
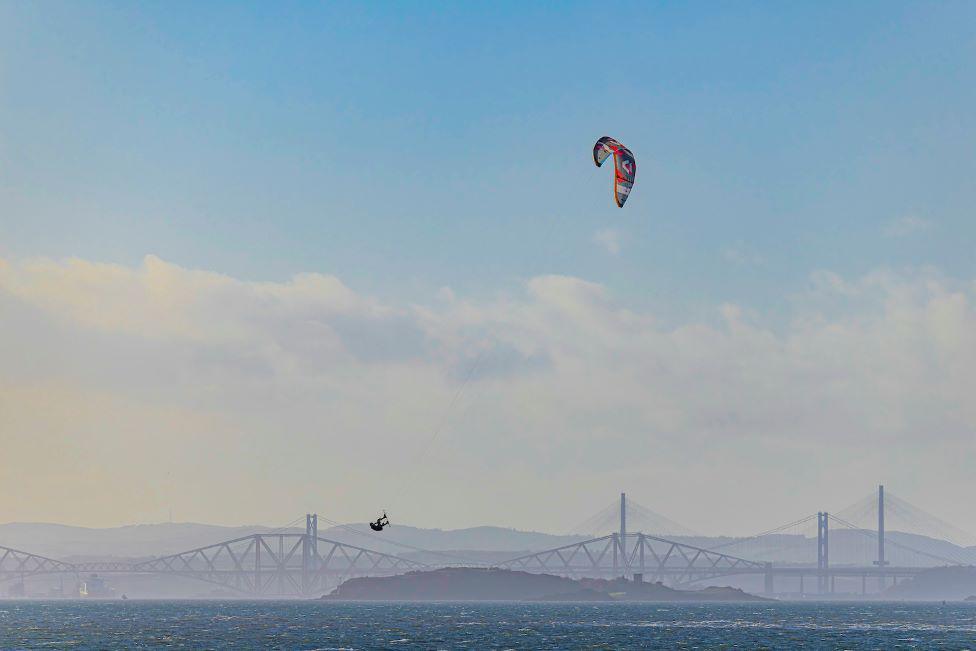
x=823, y=558
x=768, y=579
x=257, y=567
x=640, y=547
x=881, y=562
x=310, y=553
x=623, y=530
x=281, y=575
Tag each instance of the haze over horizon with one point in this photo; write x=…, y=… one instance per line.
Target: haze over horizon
x=256, y=262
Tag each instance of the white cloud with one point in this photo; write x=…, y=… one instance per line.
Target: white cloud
x=611, y=240
x=292, y=392
x=740, y=254
x=905, y=226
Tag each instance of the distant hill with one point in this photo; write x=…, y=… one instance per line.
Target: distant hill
x=484, y=538
x=955, y=583
x=485, y=544
x=139, y=541
x=132, y=541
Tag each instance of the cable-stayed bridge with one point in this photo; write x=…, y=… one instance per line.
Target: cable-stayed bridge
x=844, y=554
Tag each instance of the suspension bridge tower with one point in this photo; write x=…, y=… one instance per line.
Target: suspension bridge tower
x=310, y=552
x=881, y=562
x=823, y=553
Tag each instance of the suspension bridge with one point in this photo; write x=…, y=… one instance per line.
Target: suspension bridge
x=865, y=559
x=789, y=559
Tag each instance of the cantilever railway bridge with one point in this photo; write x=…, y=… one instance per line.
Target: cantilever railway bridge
x=280, y=564
x=650, y=557
x=260, y=565
x=302, y=565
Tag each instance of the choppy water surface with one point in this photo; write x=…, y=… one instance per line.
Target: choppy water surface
x=320, y=625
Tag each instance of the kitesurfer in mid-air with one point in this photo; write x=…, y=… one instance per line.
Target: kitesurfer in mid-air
x=380, y=523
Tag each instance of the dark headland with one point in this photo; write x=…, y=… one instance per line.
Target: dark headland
x=488, y=584
x=938, y=583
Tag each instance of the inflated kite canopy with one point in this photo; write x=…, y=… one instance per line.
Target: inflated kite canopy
x=624, y=164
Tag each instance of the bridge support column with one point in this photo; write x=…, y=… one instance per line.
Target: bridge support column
x=616, y=544
x=257, y=565
x=823, y=558
x=768, y=579
x=881, y=562
x=623, y=530
x=310, y=554
x=640, y=548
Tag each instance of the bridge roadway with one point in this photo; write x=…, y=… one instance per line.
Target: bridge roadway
x=678, y=564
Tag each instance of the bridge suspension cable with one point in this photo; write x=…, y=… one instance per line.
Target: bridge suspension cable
x=903, y=516
x=927, y=523
x=768, y=532
x=285, y=526
x=385, y=539
x=639, y=517
x=893, y=543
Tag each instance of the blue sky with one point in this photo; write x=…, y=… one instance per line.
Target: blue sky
x=409, y=146
x=227, y=227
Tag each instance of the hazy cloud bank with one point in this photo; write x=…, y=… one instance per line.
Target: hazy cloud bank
x=127, y=391
x=907, y=225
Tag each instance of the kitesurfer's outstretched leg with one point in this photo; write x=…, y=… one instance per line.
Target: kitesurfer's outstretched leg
x=380, y=523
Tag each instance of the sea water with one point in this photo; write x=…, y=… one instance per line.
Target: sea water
x=330, y=625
